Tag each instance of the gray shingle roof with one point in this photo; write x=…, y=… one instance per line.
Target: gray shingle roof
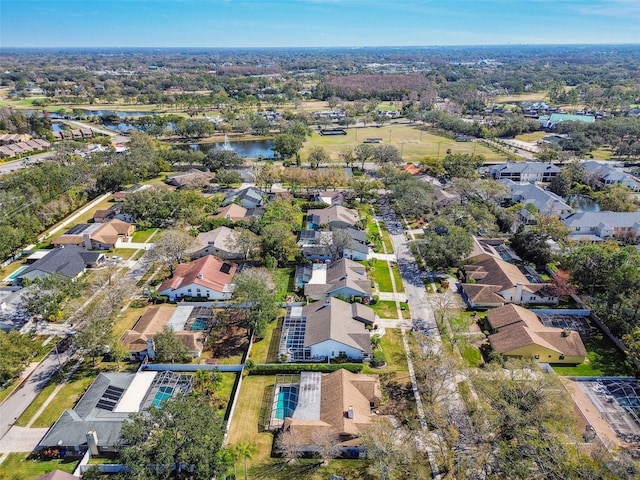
x=69, y=261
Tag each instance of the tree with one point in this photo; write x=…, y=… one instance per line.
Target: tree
x=180, y=440
x=255, y=290
x=348, y=156
x=617, y=198
x=365, y=188
x=247, y=241
x=317, y=156
x=364, y=153
x=246, y=450
x=226, y=178
x=16, y=351
x=95, y=336
x=551, y=227
x=462, y=165
x=560, y=185
x=442, y=251
x=278, y=241
x=288, y=445
x=387, y=155
x=206, y=382
x=47, y=296
x=220, y=159
x=287, y=145
x=171, y=248
x=169, y=348
x=531, y=246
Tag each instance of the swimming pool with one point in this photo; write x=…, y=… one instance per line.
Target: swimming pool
x=163, y=393
x=199, y=324
x=16, y=273
x=286, y=402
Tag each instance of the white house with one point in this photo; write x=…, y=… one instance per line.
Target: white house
x=525, y=171
x=221, y=242
x=596, y=226
x=343, y=277
x=207, y=277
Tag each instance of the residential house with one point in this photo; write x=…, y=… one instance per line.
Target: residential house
x=221, y=242
x=237, y=213
x=524, y=171
x=518, y=332
x=328, y=329
x=249, y=197
x=207, y=277
x=343, y=277
x=70, y=261
x=342, y=404
x=97, y=236
x=95, y=422
x=602, y=175
x=549, y=122
x=492, y=282
x=114, y=211
x=192, y=178
x=325, y=246
x=334, y=217
x=331, y=198
x=598, y=226
x=139, y=340
x=545, y=202
x=122, y=194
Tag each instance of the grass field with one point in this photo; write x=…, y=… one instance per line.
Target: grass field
x=283, y=278
x=413, y=143
x=602, y=154
x=523, y=97
x=18, y=466
x=603, y=359
x=379, y=274
x=531, y=137
x=385, y=309
x=260, y=350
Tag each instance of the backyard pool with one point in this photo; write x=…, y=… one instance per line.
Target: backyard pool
x=199, y=324
x=13, y=276
x=286, y=402
x=163, y=394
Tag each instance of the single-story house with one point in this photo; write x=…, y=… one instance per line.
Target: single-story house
x=122, y=194
x=525, y=171
x=550, y=121
x=342, y=404
x=327, y=329
x=114, y=211
x=221, y=242
x=207, y=277
x=331, y=198
x=602, y=225
x=236, y=213
x=343, y=277
x=139, y=340
x=95, y=422
x=492, y=282
x=249, y=197
x=97, y=236
x=192, y=178
x=329, y=245
x=518, y=332
x=70, y=261
x=336, y=216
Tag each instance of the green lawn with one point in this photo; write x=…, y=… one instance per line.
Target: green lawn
x=386, y=238
x=379, y=273
x=18, y=466
x=283, y=278
x=126, y=253
x=141, y=236
x=385, y=309
x=603, y=359
x=372, y=235
x=266, y=350
x=397, y=277
x=36, y=404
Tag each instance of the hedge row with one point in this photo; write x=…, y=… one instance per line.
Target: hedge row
x=295, y=368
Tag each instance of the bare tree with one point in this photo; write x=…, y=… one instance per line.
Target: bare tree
x=247, y=241
x=171, y=248
x=288, y=445
x=326, y=443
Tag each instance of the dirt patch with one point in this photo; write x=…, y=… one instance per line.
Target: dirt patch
x=229, y=338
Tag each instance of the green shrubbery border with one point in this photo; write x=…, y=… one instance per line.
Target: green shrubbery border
x=295, y=368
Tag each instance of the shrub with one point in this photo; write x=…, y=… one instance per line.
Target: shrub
x=138, y=303
x=379, y=358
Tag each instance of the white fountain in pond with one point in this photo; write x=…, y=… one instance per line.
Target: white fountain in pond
x=227, y=144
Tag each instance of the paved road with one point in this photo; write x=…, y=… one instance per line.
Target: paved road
x=18, y=402
x=14, y=165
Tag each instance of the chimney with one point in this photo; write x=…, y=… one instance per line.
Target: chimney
x=565, y=332
x=200, y=275
x=327, y=301
x=518, y=297
x=350, y=412
x=92, y=442
x=151, y=350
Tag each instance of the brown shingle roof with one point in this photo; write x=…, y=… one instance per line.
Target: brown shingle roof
x=148, y=325
x=205, y=271
x=335, y=213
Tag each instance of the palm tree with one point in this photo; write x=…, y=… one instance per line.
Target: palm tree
x=247, y=450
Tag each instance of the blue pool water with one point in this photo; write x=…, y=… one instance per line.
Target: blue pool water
x=286, y=402
x=164, y=393
x=17, y=272
x=199, y=324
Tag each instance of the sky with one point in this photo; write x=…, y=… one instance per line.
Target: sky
x=315, y=23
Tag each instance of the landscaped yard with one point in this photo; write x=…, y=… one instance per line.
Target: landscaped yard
x=266, y=350
x=18, y=466
x=385, y=308
x=397, y=277
x=283, y=278
x=141, y=236
x=379, y=274
x=603, y=359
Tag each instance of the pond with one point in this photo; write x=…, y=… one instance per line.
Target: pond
x=582, y=203
x=99, y=113
x=244, y=148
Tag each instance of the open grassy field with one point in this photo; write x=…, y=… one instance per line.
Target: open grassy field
x=18, y=466
x=532, y=136
x=414, y=144
x=602, y=154
x=523, y=97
